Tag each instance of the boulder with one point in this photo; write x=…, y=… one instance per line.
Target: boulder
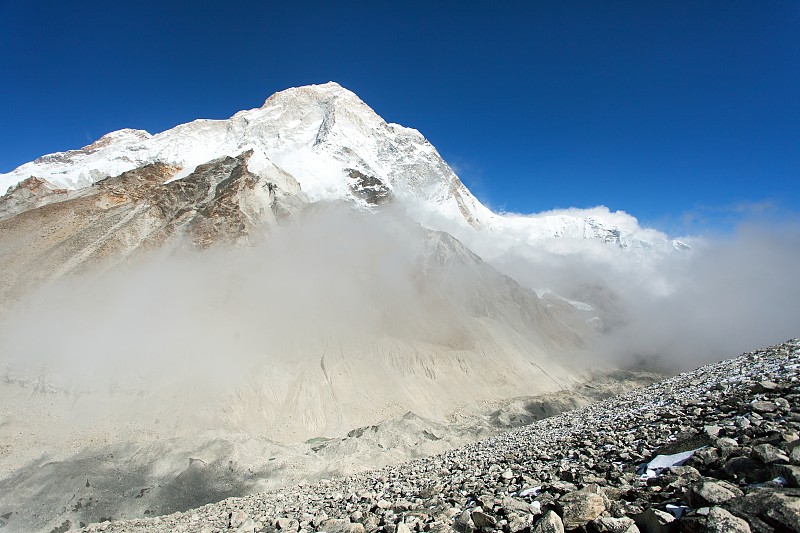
x=769, y=509
x=334, y=525
x=655, y=521
x=287, y=524
x=549, y=523
x=721, y=521
x=580, y=507
x=750, y=470
x=483, y=520
x=763, y=406
x=766, y=386
x=767, y=453
x=520, y=522
x=237, y=518
x=463, y=522
x=711, y=492
x=607, y=524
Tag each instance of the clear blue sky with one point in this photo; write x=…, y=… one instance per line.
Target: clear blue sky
x=673, y=111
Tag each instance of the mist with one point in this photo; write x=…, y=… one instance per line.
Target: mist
x=673, y=309
x=208, y=318
x=202, y=323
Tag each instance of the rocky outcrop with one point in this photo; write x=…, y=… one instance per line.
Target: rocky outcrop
x=28, y=194
x=140, y=210
x=368, y=188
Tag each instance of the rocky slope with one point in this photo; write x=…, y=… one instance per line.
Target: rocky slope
x=716, y=450
x=103, y=471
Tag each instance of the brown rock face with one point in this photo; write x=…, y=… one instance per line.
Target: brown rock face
x=28, y=194
x=48, y=233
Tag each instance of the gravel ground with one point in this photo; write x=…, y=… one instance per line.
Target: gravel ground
x=585, y=470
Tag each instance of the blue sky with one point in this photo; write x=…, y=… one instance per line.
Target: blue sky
x=685, y=114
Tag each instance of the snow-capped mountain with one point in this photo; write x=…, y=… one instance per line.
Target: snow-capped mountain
x=336, y=148
x=335, y=292
x=324, y=135
x=283, y=276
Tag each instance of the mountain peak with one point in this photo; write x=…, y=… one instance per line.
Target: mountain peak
x=321, y=92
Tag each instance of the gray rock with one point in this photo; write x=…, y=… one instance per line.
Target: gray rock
x=237, y=518
x=384, y=504
x=767, y=508
x=794, y=455
x=721, y=521
x=287, y=524
x=483, y=520
x=726, y=443
x=549, y=523
x=615, y=525
x=248, y=526
x=463, y=522
x=370, y=521
x=707, y=493
x=334, y=525
x=750, y=470
x=692, y=524
x=763, y=406
x=519, y=522
x=513, y=504
x=580, y=507
x=766, y=386
x=655, y=521
x=767, y=453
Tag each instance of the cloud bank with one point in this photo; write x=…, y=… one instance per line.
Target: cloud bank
x=209, y=319
x=675, y=309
